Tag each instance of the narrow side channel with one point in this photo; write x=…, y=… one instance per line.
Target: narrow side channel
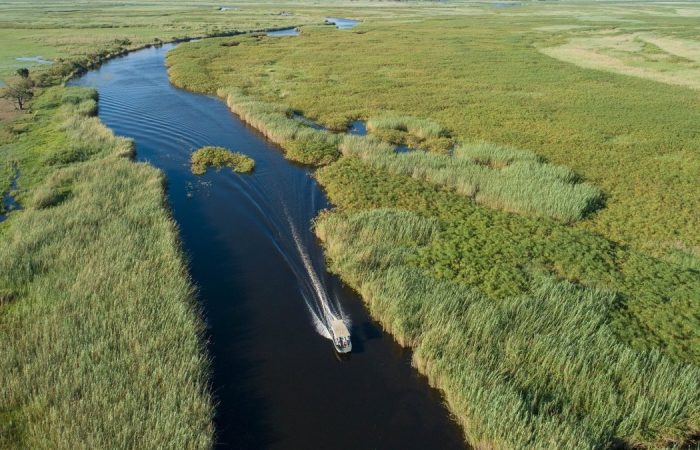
x=278, y=383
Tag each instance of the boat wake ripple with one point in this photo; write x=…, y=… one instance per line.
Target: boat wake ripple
x=298, y=245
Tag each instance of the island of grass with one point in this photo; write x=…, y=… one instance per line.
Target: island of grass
x=219, y=157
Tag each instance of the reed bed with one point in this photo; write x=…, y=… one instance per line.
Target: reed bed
x=495, y=176
x=497, y=253
x=101, y=339
x=206, y=157
x=365, y=146
x=498, y=177
x=301, y=143
x=421, y=128
x=413, y=132
x=534, y=371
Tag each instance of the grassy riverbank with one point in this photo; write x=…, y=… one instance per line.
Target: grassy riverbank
x=301, y=143
x=561, y=339
x=482, y=77
x=542, y=332
x=100, y=336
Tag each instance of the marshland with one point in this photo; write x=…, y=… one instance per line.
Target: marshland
x=501, y=204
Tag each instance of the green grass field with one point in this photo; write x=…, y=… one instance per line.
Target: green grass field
x=635, y=305
x=65, y=30
x=483, y=78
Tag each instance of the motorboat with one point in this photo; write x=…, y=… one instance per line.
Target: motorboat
x=341, y=336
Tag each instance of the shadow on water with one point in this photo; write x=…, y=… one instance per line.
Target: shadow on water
x=338, y=22
x=263, y=285
x=308, y=122
x=358, y=128
x=230, y=339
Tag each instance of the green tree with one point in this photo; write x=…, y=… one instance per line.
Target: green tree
x=20, y=92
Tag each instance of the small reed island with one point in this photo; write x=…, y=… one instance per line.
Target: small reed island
x=219, y=157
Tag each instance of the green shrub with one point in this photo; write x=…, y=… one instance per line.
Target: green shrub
x=312, y=151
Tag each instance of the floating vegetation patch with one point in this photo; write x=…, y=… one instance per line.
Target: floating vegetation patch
x=219, y=157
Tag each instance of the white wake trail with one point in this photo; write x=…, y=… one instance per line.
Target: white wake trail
x=322, y=308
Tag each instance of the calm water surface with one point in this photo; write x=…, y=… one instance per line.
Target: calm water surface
x=342, y=23
x=283, y=32
x=278, y=382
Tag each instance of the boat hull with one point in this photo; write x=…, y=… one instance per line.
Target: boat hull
x=342, y=350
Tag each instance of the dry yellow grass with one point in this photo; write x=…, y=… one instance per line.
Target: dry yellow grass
x=674, y=63
x=688, y=12
x=679, y=47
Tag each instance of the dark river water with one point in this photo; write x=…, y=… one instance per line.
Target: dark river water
x=264, y=291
